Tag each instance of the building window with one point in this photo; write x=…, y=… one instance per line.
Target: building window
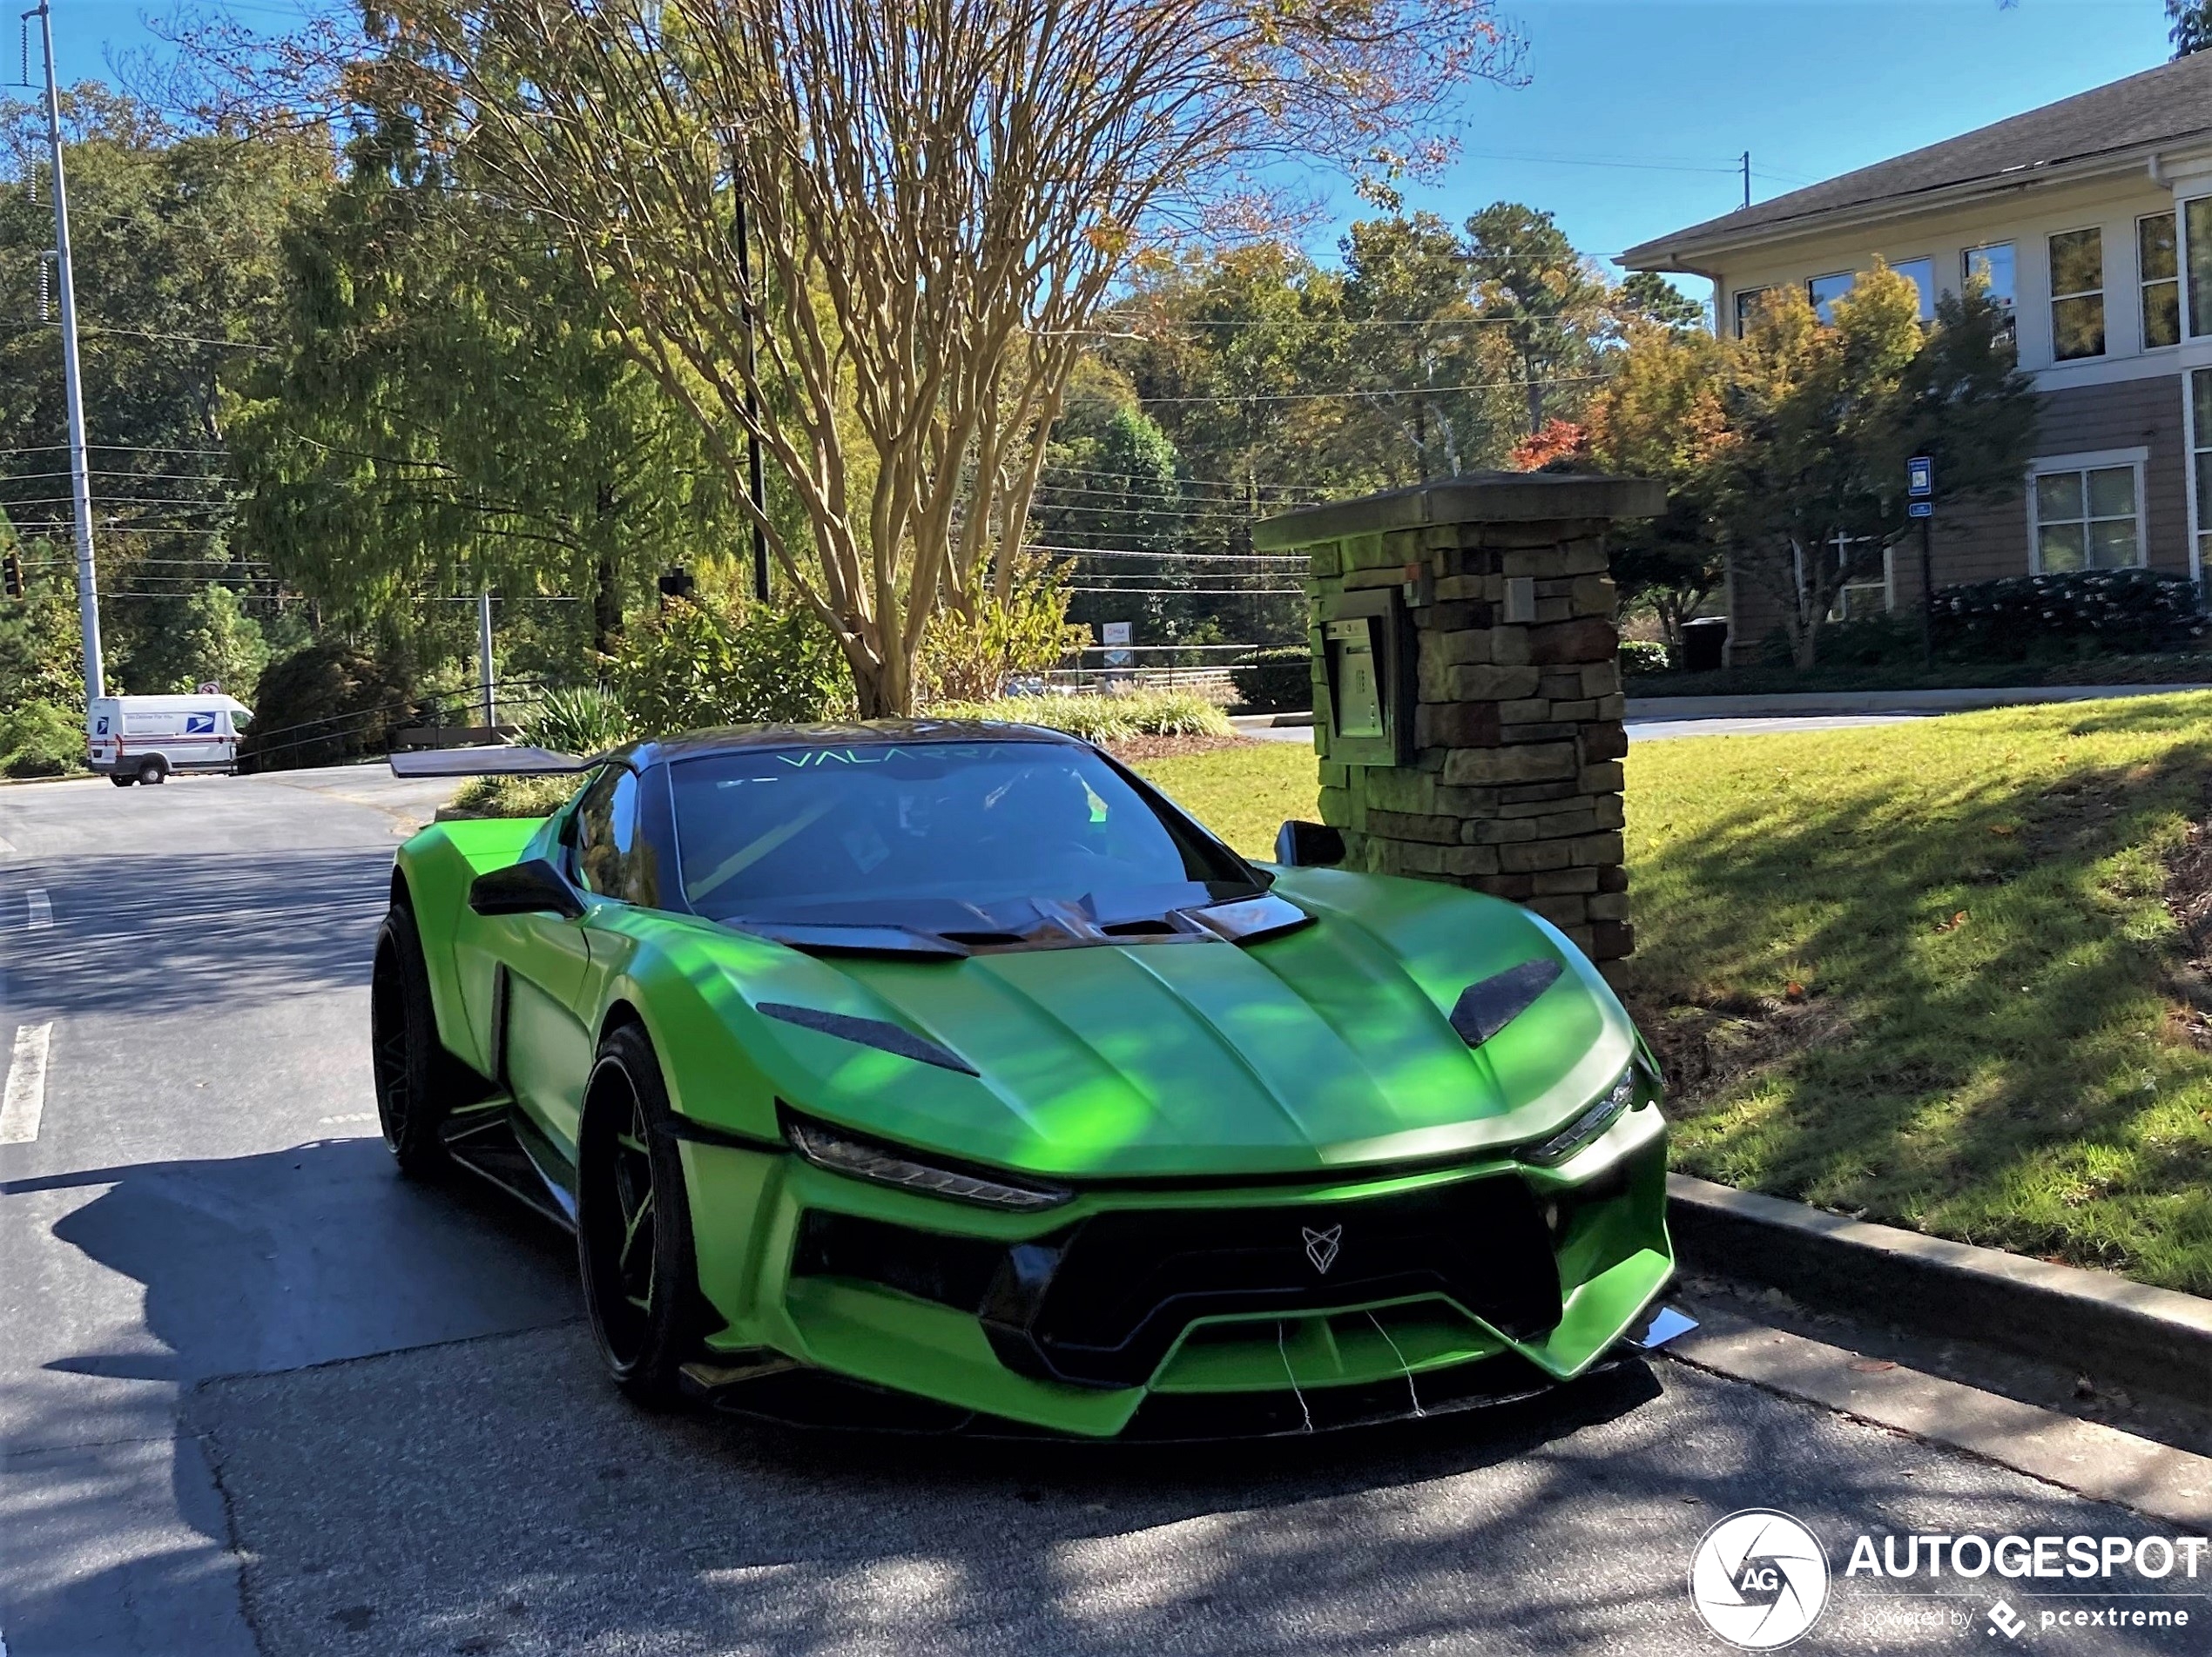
x=2087, y=517
x=2196, y=245
x=2200, y=458
x=2077, y=293
x=1922, y=272
x=1825, y=291
x=1747, y=307
x=1867, y=592
x=2158, y=268
x=1994, y=265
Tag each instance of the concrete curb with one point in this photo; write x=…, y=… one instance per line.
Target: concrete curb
x=2125, y=1334
x=1887, y=701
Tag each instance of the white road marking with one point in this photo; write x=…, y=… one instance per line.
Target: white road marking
x=42, y=911
x=24, y=1101
x=327, y=1122
x=7, y=850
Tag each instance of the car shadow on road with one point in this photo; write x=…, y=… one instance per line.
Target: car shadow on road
x=498, y=1496
x=312, y=1254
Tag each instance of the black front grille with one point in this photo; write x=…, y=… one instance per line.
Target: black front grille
x=1102, y=1303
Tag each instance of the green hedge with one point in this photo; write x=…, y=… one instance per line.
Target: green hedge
x=1278, y=681
x=2026, y=616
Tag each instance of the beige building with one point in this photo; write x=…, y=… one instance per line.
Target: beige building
x=2092, y=219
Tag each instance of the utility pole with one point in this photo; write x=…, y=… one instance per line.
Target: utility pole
x=1747, y=177
x=88, y=588
x=484, y=655
x=752, y=403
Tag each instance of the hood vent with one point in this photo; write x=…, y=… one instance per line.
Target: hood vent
x=880, y=1034
x=1487, y=1008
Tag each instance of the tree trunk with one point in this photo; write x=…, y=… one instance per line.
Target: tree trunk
x=1804, y=649
x=606, y=607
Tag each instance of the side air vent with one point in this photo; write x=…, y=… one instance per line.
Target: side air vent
x=1487, y=1008
x=880, y=1034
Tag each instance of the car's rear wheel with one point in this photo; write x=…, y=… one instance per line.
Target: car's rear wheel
x=634, y=1225
x=153, y=770
x=415, y=1082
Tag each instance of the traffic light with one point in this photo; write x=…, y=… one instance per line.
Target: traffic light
x=12, y=575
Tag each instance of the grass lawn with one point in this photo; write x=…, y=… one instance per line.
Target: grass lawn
x=1927, y=974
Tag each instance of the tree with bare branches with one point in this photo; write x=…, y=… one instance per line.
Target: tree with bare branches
x=940, y=195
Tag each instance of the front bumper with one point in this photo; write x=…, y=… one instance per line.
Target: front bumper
x=1145, y=1311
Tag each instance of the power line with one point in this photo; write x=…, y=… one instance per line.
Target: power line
x=1267, y=562
x=129, y=448
x=1391, y=391
x=1196, y=592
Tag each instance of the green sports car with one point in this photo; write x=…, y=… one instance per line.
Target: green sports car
x=947, y=1075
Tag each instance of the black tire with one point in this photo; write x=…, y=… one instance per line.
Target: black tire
x=416, y=1083
x=153, y=770
x=120, y=780
x=634, y=1245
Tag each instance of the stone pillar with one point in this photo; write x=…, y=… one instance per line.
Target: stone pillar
x=1495, y=645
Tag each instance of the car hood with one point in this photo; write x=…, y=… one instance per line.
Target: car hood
x=1324, y=1049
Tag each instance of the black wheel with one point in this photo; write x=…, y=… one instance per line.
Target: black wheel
x=634, y=1225
x=120, y=780
x=416, y=1080
x=152, y=770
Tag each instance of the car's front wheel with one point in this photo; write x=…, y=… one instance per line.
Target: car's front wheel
x=634, y=1224
x=416, y=1086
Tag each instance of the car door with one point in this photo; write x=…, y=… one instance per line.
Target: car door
x=550, y=1041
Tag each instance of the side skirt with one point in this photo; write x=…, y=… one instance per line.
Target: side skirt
x=496, y=1141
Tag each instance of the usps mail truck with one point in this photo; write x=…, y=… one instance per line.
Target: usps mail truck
x=142, y=739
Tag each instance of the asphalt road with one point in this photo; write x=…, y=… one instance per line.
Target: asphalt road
x=257, y=1395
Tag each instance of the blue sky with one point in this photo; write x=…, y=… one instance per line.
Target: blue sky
x=1666, y=93
x=1811, y=88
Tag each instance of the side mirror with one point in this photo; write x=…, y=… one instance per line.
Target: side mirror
x=1308, y=845
x=531, y=888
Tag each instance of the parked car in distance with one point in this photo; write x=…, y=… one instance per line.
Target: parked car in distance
x=142, y=739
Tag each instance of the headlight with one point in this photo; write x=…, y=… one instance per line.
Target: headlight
x=841, y=1152
x=1588, y=1126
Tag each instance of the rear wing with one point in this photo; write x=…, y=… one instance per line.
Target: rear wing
x=500, y=761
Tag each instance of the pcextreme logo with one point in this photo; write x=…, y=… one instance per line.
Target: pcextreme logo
x=1759, y=1579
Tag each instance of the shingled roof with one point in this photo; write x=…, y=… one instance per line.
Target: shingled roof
x=2161, y=105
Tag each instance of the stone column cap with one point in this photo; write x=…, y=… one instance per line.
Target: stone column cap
x=1478, y=497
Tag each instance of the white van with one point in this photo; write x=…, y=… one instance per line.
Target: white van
x=142, y=739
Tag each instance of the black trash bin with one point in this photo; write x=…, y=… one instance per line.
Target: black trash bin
x=1704, y=644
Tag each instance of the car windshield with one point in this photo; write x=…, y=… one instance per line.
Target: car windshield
x=906, y=835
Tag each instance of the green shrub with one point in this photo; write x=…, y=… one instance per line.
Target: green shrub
x=1275, y=681
x=692, y=667
x=511, y=796
x=329, y=702
x=2026, y=616
x=971, y=655
x=38, y=739
x=1642, y=655
x=1095, y=719
x=585, y=720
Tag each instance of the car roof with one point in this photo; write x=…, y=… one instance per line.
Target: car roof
x=861, y=733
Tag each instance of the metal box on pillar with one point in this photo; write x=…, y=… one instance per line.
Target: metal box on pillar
x=1467, y=686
